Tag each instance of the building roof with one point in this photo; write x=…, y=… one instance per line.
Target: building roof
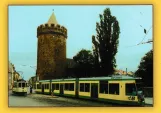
x=52, y=19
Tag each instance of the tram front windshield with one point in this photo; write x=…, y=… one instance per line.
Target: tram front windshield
x=19, y=84
x=23, y=84
x=131, y=89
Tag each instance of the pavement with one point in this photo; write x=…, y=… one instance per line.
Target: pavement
x=148, y=100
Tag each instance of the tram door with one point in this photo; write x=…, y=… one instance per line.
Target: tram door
x=42, y=88
x=94, y=90
x=61, y=89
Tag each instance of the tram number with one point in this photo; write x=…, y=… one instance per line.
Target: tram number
x=131, y=98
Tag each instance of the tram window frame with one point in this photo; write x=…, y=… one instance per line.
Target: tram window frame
x=114, y=88
x=57, y=86
x=103, y=85
x=133, y=93
x=86, y=87
x=81, y=87
x=19, y=84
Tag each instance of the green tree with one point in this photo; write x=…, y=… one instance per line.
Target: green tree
x=106, y=41
x=145, y=69
x=84, y=63
x=84, y=59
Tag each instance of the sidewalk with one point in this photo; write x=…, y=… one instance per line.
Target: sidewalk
x=149, y=100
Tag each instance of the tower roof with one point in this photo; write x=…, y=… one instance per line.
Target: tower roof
x=52, y=19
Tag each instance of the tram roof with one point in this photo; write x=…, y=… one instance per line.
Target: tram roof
x=112, y=77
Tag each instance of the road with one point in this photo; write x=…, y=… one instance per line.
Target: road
x=37, y=100
x=25, y=101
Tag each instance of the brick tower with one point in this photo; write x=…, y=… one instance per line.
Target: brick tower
x=51, y=53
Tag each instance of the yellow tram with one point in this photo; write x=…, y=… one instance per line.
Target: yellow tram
x=19, y=87
x=114, y=89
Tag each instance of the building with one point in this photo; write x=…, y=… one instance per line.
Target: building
x=16, y=76
x=10, y=74
x=51, y=50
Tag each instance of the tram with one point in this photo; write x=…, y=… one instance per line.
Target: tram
x=20, y=87
x=113, y=89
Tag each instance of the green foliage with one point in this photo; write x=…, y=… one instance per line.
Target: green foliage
x=105, y=43
x=145, y=69
x=84, y=59
x=84, y=64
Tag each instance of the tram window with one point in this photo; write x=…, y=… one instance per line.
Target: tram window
x=66, y=86
x=57, y=86
x=40, y=85
x=47, y=86
x=87, y=87
x=53, y=86
x=130, y=89
x=23, y=84
x=19, y=84
x=104, y=87
x=114, y=88
x=71, y=87
x=82, y=87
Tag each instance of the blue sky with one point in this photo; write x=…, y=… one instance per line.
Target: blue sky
x=81, y=24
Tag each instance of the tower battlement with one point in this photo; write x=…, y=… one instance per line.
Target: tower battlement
x=51, y=29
